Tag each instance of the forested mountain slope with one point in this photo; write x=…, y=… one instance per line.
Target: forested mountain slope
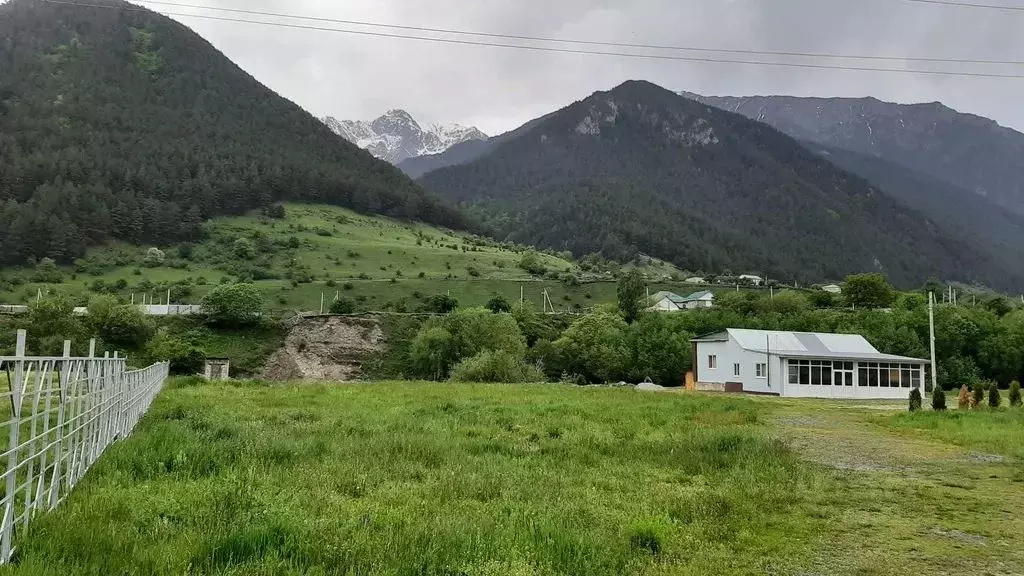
x=117, y=122
x=642, y=169
x=972, y=153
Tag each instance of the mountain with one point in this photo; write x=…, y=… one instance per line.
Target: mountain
x=640, y=169
x=969, y=152
x=119, y=123
x=460, y=154
x=396, y=136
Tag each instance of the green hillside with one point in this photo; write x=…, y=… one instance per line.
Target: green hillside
x=380, y=263
x=117, y=123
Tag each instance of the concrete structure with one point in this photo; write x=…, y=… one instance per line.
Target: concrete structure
x=832, y=289
x=802, y=364
x=670, y=302
x=217, y=369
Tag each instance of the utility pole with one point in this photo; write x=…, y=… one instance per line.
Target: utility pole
x=321, y=302
x=931, y=333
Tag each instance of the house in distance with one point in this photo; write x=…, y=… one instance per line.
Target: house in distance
x=802, y=364
x=671, y=302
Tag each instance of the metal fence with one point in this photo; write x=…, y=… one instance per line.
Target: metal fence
x=61, y=414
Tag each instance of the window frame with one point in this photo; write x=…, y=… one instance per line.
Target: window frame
x=761, y=370
x=712, y=361
x=736, y=370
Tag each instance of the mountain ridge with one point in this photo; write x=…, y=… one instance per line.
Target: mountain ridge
x=396, y=136
x=968, y=151
x=642, y=169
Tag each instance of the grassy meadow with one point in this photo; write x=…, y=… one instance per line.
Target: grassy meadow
x=418, y=478
x=381, y=263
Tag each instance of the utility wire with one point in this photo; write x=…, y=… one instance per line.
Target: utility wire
x=554, y=49
x=968, y=5
x=583, y=42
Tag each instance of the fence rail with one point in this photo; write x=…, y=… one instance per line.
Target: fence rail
x=61, y=414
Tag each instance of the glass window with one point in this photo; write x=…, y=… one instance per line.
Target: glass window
x=712, y=361
x=794, y=373
x=805, y=374
x=735, y=369
x=826, y=375
x=862, y=376
x=761, y=370
x=915, y=378
x=905, y=376
x=873, y=377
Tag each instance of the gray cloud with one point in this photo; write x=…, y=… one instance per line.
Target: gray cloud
x=497, y=89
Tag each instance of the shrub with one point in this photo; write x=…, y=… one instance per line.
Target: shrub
x=963, y=400
x=915, y=400
x=343, y=306
x=994, y=399
x=232, y=304
x=1015, y=399
x=595, y=347
x=184, y=357
x=498, y=304
x=531, y=262
x=46, y=271
x=979, y=394
x=439, y=304
x=939, y=399
x=244, y=249
x=446, y=341
x=120, y=326
x=347, y=286
x=154, y=257
x=495, y=366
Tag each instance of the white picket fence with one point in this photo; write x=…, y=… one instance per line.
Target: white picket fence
x=63, y=412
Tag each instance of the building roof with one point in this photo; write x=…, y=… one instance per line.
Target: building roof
x=672, y=296
x=806, y=345
x=698, y=296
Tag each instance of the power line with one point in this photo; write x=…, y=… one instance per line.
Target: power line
x=558, y=50
x=968, y=5
x=584, y=42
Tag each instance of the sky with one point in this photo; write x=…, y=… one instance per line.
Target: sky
x=497, y=89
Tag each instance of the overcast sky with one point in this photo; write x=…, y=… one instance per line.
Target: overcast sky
x=354, y=77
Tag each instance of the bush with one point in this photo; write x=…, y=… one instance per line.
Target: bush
x=1015, y=399
x=232, y=304
x=446, y=341
x=123, y=327
x=46, y=271
x=496, y=366
x=244, y=249
x=185, y=357
x=154, y=257
x=994, y=399
x=498, y=304
x=439, y=304
x=343, y=306
x=595, y=347
x=531, y=262
x=915, y=400
x=963, y=400
x=347, y=286
x=939, y=399
x=979, y=394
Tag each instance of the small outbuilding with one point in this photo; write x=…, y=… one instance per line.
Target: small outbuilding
x=217, y=368
x=802, y=364
x=671, y=302
x=832, y=289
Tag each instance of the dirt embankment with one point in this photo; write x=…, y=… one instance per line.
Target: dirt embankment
x=330, y=348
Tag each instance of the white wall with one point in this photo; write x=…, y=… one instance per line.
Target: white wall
x=730, y=353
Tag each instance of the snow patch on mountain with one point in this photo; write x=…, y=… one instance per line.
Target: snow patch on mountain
x=396, y=136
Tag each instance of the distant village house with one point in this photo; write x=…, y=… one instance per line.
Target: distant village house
x=671, y=302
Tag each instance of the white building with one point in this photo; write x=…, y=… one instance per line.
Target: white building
x=832, y=289
x=755, y=280
x=802, y=364
x=695, y=280
x=670, y=302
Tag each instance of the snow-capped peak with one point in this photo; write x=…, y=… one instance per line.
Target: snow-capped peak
x=396, y=136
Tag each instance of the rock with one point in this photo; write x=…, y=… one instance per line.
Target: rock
x=327, y=348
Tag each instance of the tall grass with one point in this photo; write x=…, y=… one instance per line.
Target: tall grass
x=999, y=431
x=435, y=479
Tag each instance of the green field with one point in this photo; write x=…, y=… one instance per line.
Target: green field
x=416, y=478
x=324, y=250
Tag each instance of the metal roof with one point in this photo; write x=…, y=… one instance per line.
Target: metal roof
x=807, y=345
